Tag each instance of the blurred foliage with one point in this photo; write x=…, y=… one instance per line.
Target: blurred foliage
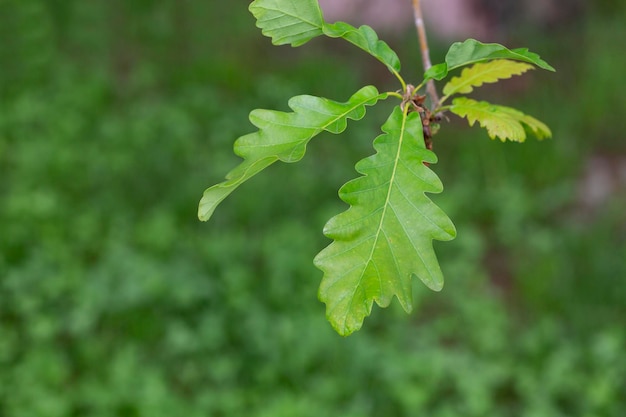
x=116, y=301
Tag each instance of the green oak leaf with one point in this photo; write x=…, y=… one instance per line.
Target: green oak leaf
x=288, y=21
x=284, y=136
x=385, y=237
x=296, y=23
x=472, y=51
x=486, y=72
x=502, y=122
x=365, y=38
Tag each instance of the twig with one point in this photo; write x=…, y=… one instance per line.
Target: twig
x=421, y=34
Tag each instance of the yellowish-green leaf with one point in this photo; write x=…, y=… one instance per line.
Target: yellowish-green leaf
x=502, y=122
x=487, y=72
x=539, y=129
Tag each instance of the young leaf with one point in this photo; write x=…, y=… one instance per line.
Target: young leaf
x=288, y=21
x=386, y=235
x=365, y=38
x=284, y=136
x=539, y=129
x=471, y=51
x=488, y=72
x=502, y=122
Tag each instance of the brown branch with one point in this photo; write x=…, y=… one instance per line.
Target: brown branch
x=421, y=34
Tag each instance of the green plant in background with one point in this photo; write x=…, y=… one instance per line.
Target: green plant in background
x=115, y=301
x=385, y=237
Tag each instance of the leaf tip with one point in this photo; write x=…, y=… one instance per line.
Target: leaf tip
x=343, y=324
x=344, y=331
x=432, y=284
x=544, y=65
x=205, y=210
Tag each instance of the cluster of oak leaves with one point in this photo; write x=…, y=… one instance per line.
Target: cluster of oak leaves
x=385, y=236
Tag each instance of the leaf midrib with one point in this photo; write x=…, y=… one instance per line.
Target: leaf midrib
x=285, y=13
x=391, y=184
x=470, y=82
x=484, y=74
x=316, y=130
x=488, y=111
x=343, y=115
x=382, y=216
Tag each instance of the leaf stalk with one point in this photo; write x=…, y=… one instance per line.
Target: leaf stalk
x=399, y=77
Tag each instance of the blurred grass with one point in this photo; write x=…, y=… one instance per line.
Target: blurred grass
x=116, y=301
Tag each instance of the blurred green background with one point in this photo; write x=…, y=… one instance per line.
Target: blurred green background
x=116, y=301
